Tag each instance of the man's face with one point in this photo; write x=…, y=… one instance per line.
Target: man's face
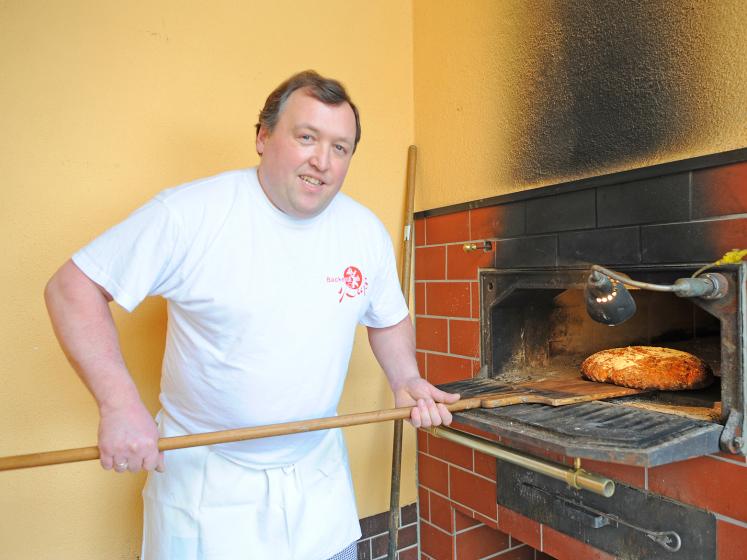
x=306, y=156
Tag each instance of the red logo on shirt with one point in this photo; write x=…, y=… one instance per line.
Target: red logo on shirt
x=353, y=283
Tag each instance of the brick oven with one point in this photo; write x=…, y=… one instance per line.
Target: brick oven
x=509, y=308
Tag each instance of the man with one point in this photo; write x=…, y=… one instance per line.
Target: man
x=266, y=272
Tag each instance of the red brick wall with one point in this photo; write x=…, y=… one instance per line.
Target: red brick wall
x=459, y=517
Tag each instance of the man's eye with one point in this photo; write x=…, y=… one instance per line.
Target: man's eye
x=306, y=137
x=340, y=148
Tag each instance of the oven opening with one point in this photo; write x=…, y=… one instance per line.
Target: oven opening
x=541, y=333
x=534, y=326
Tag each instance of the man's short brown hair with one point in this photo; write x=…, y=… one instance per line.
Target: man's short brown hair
x=326, y=90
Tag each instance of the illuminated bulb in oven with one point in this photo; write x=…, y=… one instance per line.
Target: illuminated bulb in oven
x=607, y=300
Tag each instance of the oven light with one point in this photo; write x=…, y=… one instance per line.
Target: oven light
x=609, y=302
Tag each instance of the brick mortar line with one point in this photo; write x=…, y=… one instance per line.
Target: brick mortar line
x=542, y=536
x=398, y=551
x=474, y=512
x=730, y=520
x=722, y=217
x=479, y=524
x=469, y=222
x=448, y=499
x=436, y=527
x=452, y=243
x=448, y=477
x=417, y=529
x=446, y=260
x=510, y=548
x=436, y=352
x=452, y=354
x=458, y=466
x=534, y=235
x=506, y=551
x=446, y=317
x=425, y=297
x=727, y=460
x=387, y=531
x=449, y=317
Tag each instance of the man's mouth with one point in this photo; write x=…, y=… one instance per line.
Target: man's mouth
x=311, y=180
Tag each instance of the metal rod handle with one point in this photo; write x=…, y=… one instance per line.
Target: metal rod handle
x=576, y=478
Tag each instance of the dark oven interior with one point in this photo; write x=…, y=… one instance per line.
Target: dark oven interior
x=534, y=326
x=538, y=328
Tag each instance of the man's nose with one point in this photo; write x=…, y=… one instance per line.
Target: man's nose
x=320, y=158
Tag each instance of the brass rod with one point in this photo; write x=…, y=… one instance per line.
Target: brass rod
x=576, y=478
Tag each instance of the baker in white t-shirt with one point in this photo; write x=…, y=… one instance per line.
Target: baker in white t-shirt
x=266, y=272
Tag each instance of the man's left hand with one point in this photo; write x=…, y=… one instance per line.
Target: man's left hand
x=428, y=402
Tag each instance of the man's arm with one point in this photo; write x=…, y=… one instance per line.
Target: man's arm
x=394, y=348
x=83, y=323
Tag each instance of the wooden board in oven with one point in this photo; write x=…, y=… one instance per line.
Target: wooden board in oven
x=557, y=392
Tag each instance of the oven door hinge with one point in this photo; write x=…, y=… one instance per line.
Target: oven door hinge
x=731, y=437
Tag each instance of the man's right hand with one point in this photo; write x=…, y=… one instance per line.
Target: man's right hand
x=128, y=439
x=83, y=324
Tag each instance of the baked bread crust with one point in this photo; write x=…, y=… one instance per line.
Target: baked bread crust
x=648, y=367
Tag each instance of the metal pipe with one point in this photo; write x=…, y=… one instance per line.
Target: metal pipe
x=709, y=286
x=635, y=283
x=575, y=478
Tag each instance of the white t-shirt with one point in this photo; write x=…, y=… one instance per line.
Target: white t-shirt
x=262, y=307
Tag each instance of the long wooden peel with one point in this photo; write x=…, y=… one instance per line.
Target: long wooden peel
x=531, y=393
x=405, y=277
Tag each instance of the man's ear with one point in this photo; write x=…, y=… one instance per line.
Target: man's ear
x=262, y=137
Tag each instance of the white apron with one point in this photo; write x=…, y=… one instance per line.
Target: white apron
x=207, y=507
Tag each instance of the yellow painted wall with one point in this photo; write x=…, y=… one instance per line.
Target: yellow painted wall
x=103, y=104
x=515, y=94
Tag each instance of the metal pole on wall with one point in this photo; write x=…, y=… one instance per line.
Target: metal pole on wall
x=412, y=154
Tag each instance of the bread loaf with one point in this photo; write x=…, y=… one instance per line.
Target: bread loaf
x=648, y=367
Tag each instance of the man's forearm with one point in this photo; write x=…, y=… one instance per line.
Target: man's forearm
x=394, y=348
x=83, y=323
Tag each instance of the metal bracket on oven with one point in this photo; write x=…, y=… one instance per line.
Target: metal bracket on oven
x=730, y=440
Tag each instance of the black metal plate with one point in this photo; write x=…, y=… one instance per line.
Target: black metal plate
x=547, y=500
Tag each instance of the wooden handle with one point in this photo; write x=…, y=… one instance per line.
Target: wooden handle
x=521, y=395
x=405, y=278
x=227, y=436
x=412, y=155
